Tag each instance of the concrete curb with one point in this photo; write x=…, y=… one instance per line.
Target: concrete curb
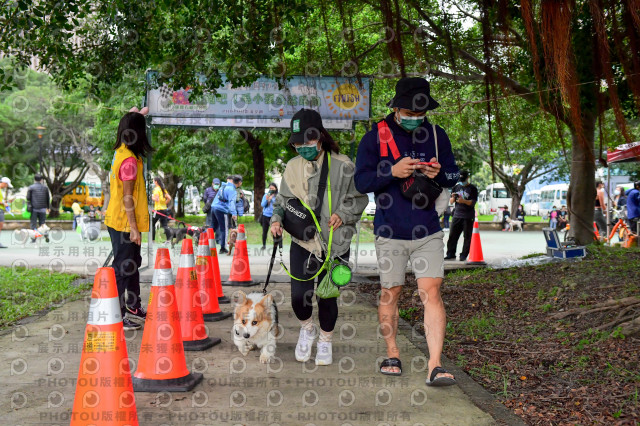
x=478, y=395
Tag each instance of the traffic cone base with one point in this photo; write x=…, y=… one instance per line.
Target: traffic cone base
x=180, y=384
x=240, y=284
x=201, y=345
x=218, y=316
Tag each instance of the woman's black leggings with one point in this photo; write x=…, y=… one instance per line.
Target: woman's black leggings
x=265, y=222
x=302, y=291
x=164, y=223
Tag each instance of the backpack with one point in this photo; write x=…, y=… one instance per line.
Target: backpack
x=245, y=204
x=220, y=193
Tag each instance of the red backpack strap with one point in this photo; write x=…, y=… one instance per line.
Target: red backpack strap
x=387, y=141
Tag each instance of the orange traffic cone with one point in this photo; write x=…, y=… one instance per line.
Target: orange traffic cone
x=162, y=365
x=104, y=392
x=475, y=253
x=194, y=333
x=240, y=272
x=204, y=270
x=216, y=267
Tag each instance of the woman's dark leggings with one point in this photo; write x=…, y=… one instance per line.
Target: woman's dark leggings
x=126, y=262
x=264, y=221
x=164, y=223
x=302, y=291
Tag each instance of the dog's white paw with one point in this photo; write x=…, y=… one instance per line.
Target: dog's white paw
x=266, y=358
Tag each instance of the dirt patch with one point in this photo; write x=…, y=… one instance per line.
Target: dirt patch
x=505, y=330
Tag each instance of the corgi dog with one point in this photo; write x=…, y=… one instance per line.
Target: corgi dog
x=255, y=325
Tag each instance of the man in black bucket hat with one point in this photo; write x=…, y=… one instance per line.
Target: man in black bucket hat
x=413, y=94
x=402, y=144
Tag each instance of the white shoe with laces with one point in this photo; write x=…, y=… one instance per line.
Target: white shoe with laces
x=324, y=353
x=305, y=342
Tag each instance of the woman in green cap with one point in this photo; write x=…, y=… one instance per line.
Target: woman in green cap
x=319, y=173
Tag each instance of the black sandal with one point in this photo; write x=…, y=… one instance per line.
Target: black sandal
x=391, y=362
x=440, y=381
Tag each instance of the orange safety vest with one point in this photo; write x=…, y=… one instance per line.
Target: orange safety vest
x=116, y=216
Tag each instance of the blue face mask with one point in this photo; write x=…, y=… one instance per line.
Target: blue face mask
x=309, y=153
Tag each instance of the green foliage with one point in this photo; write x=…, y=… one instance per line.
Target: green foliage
x=482, y=326
x=408, y=314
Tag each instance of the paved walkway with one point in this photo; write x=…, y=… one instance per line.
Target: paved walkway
x=40, y=361
x=66, y=253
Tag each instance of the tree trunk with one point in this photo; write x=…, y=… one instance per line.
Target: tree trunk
x=171, y=185
x=56, y=199
x=258, y=171
x=180, y=212
x=582, y=191
x=516, y=197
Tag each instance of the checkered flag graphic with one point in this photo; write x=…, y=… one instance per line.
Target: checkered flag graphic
x=165, y=92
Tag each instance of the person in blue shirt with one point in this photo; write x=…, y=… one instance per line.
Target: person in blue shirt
x=633, y=207
x=224, y=208
x=405, y=231
x=268, y=199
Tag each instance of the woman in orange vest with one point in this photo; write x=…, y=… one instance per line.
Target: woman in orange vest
x=128, y=212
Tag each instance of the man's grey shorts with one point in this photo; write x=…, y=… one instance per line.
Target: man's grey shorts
x=426, y=256
x=1, y=215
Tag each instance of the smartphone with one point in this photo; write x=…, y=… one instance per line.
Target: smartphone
x=430, y=163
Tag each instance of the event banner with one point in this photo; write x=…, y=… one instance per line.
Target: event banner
x=263, y=103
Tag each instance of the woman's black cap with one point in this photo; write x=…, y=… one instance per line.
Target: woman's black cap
x=306, y=125
x=413, y=93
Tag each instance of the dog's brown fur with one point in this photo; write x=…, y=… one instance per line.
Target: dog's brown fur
x=233, y=235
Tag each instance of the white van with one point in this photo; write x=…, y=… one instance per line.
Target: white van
x=531, y=201
x=491, y=199
x=552, y=195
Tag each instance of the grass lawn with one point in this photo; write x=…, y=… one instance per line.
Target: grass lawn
x=489, y=218
x=26, y=291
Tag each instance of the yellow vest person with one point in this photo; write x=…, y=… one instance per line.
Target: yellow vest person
x=116, y=216
x=128, y=213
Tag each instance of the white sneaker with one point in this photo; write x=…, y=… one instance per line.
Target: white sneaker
x=324, y=354
x=305, y=341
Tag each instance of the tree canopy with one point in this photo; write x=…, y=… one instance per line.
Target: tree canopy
x=572, y=59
